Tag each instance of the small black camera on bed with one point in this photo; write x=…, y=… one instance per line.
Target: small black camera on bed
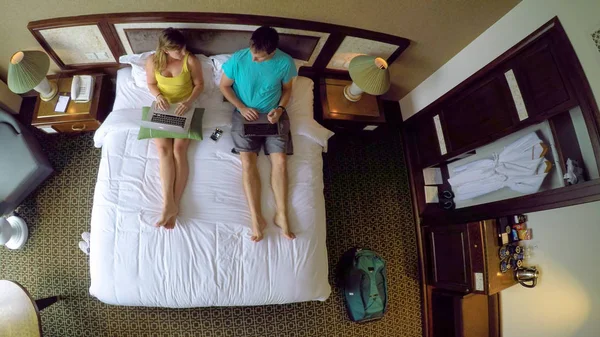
x=216, y=134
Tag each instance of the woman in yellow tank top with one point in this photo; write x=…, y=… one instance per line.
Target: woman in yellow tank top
x=174, y=77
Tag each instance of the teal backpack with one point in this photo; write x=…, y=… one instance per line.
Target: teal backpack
x=363, y=279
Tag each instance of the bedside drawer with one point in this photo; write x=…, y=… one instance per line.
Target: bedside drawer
x=72, y=126
x=79, y=117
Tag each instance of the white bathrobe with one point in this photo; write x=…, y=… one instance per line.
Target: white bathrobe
x=520, y=167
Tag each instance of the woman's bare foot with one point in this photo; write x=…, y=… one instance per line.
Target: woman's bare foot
x=170, y=211
x=281, y=222
x=258, y=225
x=171, y=223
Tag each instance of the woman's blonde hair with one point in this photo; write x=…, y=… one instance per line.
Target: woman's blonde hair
x=169, y=39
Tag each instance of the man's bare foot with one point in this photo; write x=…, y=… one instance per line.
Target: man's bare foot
x=258, y=225
x=281, y=222
x=170, y=211
x=171, y=223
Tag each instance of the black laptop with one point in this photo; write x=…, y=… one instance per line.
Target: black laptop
x=261, y=127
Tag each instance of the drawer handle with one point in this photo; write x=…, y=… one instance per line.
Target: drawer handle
x=81, y=128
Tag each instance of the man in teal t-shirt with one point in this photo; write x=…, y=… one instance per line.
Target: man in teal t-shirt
x=258, y=80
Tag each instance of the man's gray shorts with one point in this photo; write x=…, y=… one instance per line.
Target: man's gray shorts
x=273, y=144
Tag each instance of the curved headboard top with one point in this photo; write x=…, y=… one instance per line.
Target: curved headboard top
x=98, y=40
x=215, y=39
x=214, y=42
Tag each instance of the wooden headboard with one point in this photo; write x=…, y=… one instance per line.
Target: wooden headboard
x=97, y=41
x=214, y=42
x=138, y=38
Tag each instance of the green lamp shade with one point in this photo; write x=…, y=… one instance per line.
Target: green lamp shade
x=26, y=70
x=370, y=73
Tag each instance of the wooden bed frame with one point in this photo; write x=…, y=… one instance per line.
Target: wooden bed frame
x=217, y=33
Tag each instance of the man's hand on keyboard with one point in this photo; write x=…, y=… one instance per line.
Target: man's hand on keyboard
x=249, y=113
x=274, y=115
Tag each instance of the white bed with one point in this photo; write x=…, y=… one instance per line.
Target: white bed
x=208, y=259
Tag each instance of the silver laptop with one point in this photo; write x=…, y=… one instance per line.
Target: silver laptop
x=167, y=120
x=261, y=127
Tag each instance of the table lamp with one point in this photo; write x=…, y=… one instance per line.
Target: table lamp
x=369, y=74
x=27, y=70
x=13, y=232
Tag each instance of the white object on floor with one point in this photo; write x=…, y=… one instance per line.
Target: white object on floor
x=86, y=237
x=85, y=247
x=13, y=232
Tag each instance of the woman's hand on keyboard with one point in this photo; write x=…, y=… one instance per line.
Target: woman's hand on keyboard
x=182, y=108
x=162, y=102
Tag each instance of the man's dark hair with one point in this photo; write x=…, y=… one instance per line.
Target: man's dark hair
x=265, y=39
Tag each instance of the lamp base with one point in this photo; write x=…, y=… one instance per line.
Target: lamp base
x=51, y=94
x=349, y=95
x=20, y=233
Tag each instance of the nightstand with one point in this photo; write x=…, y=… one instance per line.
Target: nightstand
x=79, y=117
x=339, y=114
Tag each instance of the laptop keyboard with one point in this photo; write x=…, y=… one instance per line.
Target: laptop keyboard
x=168, y=119
x=260, y=129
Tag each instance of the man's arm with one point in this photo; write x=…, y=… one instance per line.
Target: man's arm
x=286, y=92
x=226, y=88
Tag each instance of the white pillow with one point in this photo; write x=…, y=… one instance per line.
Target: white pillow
x=219, y=60
x=301, y=100
x=299, y=63
x=138, y=69
x=207, y=72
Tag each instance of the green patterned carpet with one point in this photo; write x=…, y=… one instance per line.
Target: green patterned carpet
x=368, y=204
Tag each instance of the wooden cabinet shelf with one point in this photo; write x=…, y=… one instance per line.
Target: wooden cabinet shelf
x=464, y=258
x=539, y=81
x=485, y=109
x=464, y=315
x=540, y=73
x=464, y=279
x=480, y=113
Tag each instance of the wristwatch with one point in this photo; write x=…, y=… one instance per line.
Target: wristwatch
x=282, y=108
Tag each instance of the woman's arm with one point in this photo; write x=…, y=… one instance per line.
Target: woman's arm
x=153, y=85
x=150, y=78
x=196, y=73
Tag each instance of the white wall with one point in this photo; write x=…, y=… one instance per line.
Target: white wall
x=578, y=17
x=566, y=301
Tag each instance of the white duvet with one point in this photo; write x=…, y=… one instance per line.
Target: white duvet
x=208, y=259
